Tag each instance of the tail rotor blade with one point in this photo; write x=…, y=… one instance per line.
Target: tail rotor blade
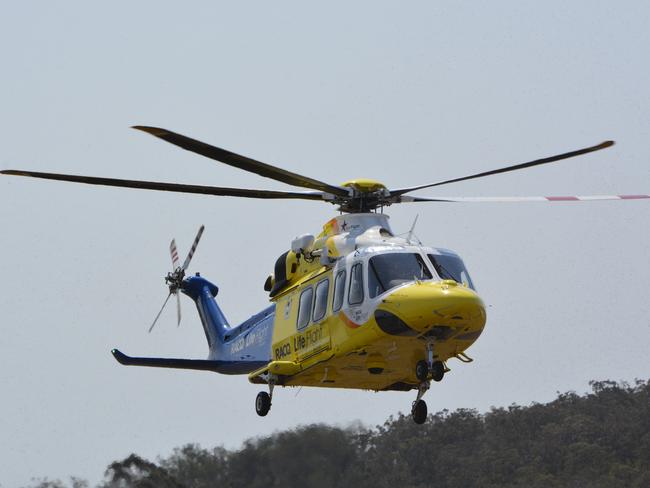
x=161, y=309
x=174, y=253
x=178, y=309
x=193, y=248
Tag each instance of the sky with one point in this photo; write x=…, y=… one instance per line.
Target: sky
x=405, y=93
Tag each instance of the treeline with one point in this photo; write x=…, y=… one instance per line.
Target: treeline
x=601, y=439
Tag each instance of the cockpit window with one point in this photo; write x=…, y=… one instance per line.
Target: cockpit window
x=355, y=294
x=386, y=271
x=451, y=267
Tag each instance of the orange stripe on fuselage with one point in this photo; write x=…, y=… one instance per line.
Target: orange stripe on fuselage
x=348, y=322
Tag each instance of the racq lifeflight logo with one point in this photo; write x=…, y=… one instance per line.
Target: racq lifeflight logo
x=301, y=343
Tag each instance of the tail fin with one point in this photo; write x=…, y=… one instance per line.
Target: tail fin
x=214, y=321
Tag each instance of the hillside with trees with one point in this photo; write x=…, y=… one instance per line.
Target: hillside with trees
x=601, y=439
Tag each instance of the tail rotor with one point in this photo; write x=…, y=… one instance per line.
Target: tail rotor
x=174, y=279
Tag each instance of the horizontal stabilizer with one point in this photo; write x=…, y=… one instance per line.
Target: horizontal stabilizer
x=200, y=364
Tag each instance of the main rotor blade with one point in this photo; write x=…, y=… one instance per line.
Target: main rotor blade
x=515, y=167
x=193, y=248
x=577, y=198
x=242, y=162
x=174, y=187
x=161, y=309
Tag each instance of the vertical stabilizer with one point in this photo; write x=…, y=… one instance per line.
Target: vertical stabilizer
x=214, y=321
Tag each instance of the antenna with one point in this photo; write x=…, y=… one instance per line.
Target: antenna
x=410, y=234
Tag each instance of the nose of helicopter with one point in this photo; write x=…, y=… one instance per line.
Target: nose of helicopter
x=441, y=309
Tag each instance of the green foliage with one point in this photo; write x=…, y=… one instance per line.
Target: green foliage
x=47, y=483
x=135, y=472
x=197, y=467
x=601, y=439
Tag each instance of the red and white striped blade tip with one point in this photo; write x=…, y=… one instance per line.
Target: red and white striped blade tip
x=174, y=253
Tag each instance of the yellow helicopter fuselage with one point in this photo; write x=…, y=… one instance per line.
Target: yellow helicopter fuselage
x=339, y=324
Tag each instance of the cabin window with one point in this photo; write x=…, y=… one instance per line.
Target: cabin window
x=320, y=302
x=339, y=291
x=450, y=267
x=355, y=295
x=386, y=271
x=304, y=309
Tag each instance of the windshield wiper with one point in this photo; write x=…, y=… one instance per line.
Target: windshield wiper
x=442, y=270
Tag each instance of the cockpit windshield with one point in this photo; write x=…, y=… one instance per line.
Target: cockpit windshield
x=450, y=267
x=386, y=271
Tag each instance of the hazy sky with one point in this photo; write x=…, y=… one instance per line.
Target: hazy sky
x=403, y=92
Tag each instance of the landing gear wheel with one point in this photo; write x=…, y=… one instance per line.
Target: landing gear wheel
x=421, y=370
x=419, y=412
x=262, y=403
x=437, y=371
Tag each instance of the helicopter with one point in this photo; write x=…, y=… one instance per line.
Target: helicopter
x=353, y=306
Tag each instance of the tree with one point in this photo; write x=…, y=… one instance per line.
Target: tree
x=135, y=472
x=601, y=439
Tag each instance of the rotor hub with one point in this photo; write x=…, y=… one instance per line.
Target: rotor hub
x=174, y=280
x=365, y=185
x=367, y=195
